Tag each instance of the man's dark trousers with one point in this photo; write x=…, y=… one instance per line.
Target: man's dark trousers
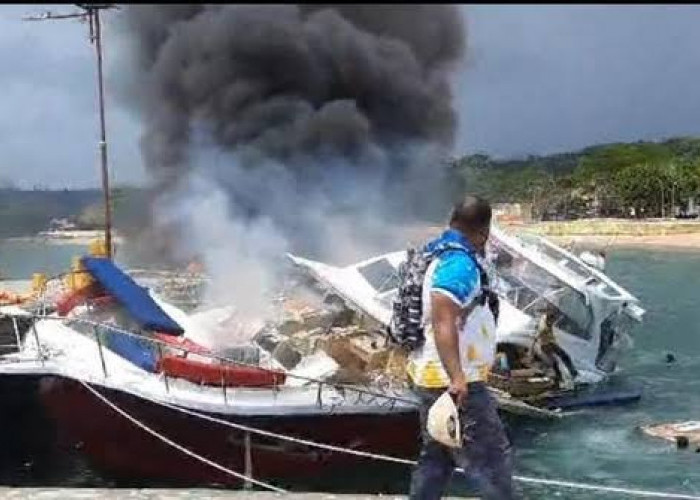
x=485, y=456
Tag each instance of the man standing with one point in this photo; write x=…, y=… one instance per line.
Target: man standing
x=551, y=350
x=457, y=354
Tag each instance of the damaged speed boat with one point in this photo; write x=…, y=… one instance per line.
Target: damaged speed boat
x=125, y=373
x=594, y=315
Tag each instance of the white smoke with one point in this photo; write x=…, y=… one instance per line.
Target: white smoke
x=244, y=253
x=241, y=256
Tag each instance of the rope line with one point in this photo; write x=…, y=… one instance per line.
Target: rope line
x=177, y=446
x=216, y=357
x=388, y=458
x=283, y=437
x=380, y=457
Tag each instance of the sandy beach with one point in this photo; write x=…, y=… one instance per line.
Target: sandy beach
x=66, y=238
x=599, y=233
x=680, y=242
x=619, y=233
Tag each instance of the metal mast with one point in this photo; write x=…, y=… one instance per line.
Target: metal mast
x=91, y=14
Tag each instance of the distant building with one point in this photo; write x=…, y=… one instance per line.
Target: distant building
x=61, y=225
x=512, y=213
x=688, y=209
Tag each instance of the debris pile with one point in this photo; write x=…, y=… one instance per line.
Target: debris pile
x=331, y=342
x=683, y=434
x=523, y=383
x=315, y=335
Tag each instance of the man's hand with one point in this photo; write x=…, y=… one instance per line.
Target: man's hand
x=458, y=389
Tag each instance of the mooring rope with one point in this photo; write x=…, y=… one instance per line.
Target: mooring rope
x=403, y=461
x=375, y=456
x=184, y=450
x=283, y=437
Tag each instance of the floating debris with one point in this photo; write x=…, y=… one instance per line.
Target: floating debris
x=683, y=434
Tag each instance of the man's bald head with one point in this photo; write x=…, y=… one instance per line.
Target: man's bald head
x=471, y=213
x=472, y=216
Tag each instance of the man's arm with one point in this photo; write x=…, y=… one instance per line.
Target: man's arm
x=445, y=314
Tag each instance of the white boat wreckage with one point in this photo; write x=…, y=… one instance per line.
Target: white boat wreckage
x=595, y=315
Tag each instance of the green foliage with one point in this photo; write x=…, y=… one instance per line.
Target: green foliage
x=637, y=184
x=618, y=177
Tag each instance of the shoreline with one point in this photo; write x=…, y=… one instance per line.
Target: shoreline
x=593, y=234
x=80, y=240
x=597, y=234
x=670, y=242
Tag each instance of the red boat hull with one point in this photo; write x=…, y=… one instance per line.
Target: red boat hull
x=118, y=446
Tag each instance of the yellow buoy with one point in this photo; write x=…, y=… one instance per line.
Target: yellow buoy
x=39, y=281
x=78, y=278
x=98, y=248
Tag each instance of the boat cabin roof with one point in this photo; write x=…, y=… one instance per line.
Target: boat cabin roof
x=370, y=284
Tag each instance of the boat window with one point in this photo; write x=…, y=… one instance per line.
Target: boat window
x=530, y=288
x=607, y=335
x=566, y=263
x=614, y=338
x=380, y=274
x=576, y=315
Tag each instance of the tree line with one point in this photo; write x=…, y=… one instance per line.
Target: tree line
x=641, y=179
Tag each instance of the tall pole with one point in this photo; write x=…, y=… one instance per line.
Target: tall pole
x=663, y=215
x=673, y=199
x=661, y=188
x=91, y=12
x=95, y=13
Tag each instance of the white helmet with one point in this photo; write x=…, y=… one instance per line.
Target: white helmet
x=443, y=422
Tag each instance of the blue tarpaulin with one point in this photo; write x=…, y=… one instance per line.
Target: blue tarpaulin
x=133, y=297
x=140, y=352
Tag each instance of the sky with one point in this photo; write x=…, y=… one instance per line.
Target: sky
x=536, y=79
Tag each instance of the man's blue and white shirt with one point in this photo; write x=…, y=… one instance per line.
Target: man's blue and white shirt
x=455, y=275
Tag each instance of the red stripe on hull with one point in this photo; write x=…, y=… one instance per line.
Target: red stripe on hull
x=216, y=374
x=118, y=446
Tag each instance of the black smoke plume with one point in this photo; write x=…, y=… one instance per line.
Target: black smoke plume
x=299, y=112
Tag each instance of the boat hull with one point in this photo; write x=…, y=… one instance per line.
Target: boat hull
x=27, y=456
x=117, y=446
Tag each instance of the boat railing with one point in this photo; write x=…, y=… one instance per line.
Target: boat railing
x=387, y=396
x=181, y=288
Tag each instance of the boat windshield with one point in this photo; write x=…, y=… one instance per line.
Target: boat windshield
x=566, y=263
x=381, y=275
x=532, y=289
x=524, y=284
